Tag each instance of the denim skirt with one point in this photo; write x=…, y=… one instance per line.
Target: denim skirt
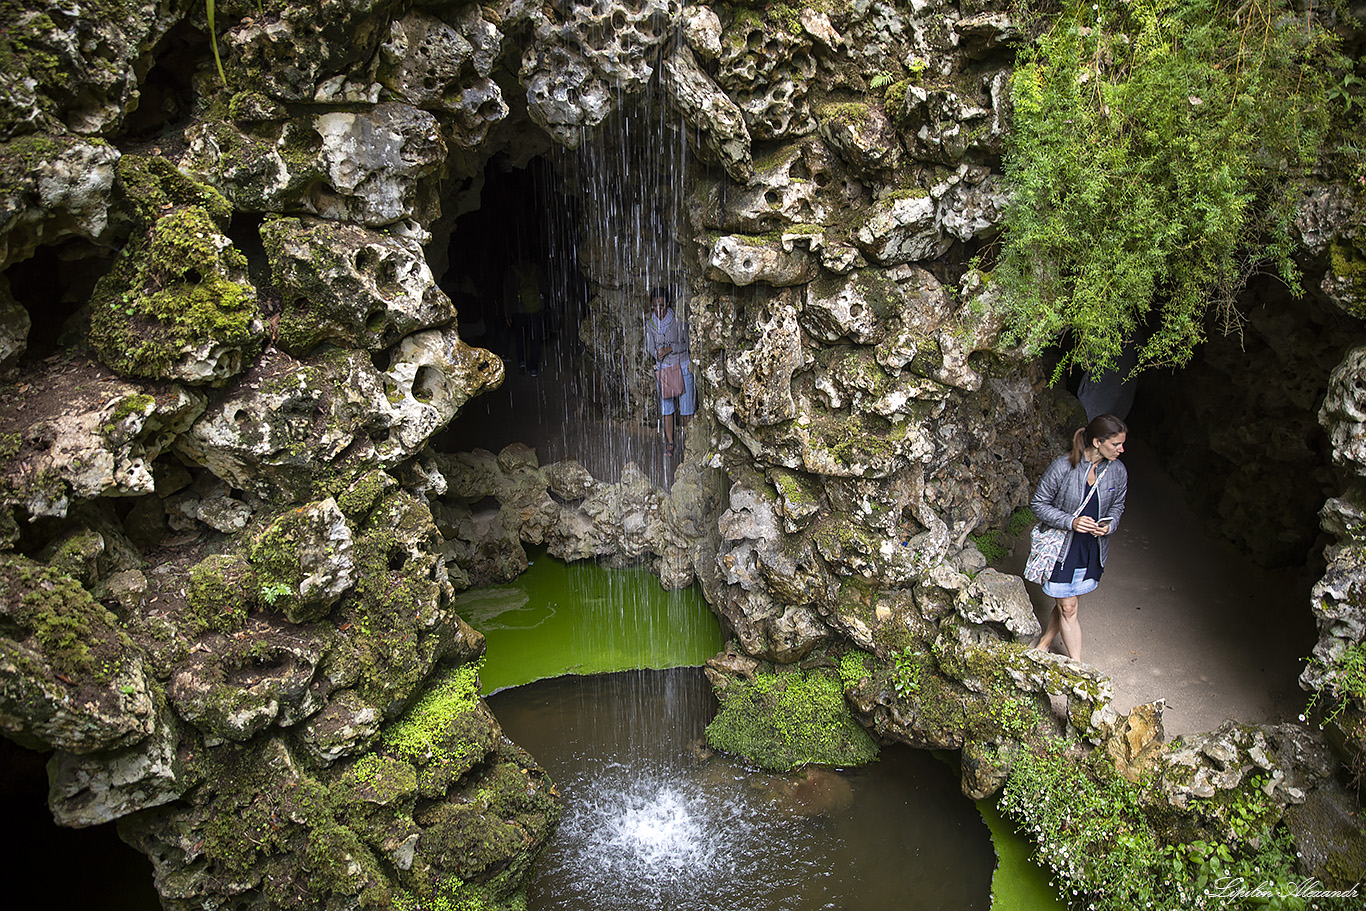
x=1080, y=585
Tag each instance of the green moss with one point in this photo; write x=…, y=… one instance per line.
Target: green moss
x=357, y=500
x=132, y=404
x=180, y=286
x=151, y=185
x=79, y=638
x=423, y=733
x=850, y=113
x=1348, y=262
x=220, y=591
x=785, y=720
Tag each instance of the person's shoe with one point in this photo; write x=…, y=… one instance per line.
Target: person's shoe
x=533, y=372
x=668, y=449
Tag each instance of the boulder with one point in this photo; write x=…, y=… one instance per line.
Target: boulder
x=82, y=433
x=178, y=305
x=716, y=118
x=446, y=68
x=350, y=286
x=53, y=187
x=373, y=167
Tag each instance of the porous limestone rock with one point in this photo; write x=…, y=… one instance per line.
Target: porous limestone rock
x=69, y=678
x=52, y=187
x=14, y=327
x=81, y=65
x=288, y=422
x=799, y=186
x=78, y=432
x=304, y=559
x=766, y=68
x=350, y=286
x=717, y=120
x=373, y=167
x=998, y=598
x=861, y=134
x=301, y=53
x=96, y=788
x=582, y=53
x=179, y=305
x=702, y=31
x=985, y=32
x=446, y=68
x=743, y=261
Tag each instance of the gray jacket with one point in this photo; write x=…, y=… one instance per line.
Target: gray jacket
x=1063, y=487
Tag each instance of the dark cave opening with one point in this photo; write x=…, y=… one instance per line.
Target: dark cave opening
x=525, y=214
x=1237, y=427
x=167, y=93
x=53, y=286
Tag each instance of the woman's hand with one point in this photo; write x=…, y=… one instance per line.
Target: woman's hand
x=1089, y=526
x=665, y=351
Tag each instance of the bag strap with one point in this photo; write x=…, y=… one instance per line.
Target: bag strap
x=1092, y=492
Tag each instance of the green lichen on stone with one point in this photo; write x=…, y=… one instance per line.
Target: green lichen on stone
x=789, y=719
x=1348, y=262
x=221, y=588
x=852, y=114
x=274, y=555
x=76, y=553
x=180, y=286
x=358, y=499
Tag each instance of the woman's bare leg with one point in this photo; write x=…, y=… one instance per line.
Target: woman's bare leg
x=1071, y=627
x=669, y=429
x=1050, y=631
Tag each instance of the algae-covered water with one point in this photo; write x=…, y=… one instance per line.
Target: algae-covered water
x=582, y=618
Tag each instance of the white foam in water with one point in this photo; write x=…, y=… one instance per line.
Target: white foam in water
x=638, y=843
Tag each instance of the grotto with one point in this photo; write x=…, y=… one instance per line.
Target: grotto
x=267, y=435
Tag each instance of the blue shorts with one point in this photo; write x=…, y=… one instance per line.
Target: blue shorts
x=687, y=402
x=1080, y=585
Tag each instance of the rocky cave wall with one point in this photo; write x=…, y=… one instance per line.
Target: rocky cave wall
x=229, y=550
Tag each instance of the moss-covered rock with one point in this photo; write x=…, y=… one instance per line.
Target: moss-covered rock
x=304, y=562
x=70, y=677
x=350, y=286
x=222, y=589
x=178, y=304
x=788, y=718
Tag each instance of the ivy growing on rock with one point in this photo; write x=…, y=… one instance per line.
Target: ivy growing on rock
x=1154, y=151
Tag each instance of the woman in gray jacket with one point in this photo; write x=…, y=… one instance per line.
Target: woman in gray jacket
x=666, y=340
x=1058, y=501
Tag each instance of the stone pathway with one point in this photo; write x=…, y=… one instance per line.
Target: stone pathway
x=1184, y=617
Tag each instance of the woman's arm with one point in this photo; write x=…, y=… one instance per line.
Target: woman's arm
x=1120, y=490
x=1046, y=493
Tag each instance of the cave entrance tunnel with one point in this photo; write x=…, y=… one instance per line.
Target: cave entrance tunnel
x=1206, y=600
x=571, y=370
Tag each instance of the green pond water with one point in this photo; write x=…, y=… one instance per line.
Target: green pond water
x=582, y=618
x=579, y=619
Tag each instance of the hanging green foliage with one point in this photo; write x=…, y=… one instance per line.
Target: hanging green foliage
x=1155, y=144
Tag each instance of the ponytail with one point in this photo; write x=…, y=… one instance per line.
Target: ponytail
x=1078, y=447
x=1102, y=427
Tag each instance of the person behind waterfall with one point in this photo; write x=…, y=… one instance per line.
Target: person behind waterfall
x=666, y=340
x=1092, y=463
